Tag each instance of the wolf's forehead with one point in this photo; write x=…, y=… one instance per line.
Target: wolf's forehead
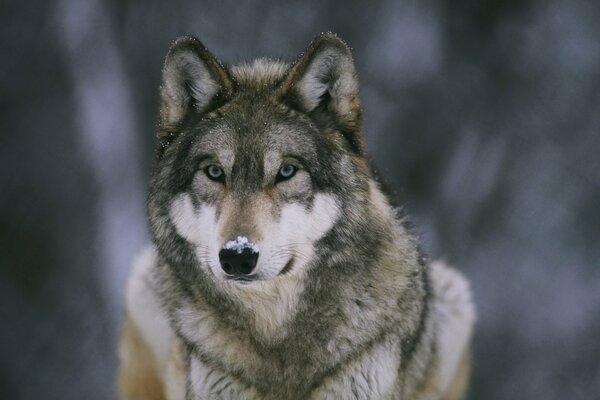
x=260, y=72
x=267, y=138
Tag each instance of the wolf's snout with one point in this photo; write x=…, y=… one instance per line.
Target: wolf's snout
x=238, y=262
x=238, y=257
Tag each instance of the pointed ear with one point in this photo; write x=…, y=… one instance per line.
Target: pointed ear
x=193, y=80
x=323, y=83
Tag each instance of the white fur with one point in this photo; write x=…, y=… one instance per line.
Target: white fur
x=144, y=309
x=371, y=376
x=199, y=227
x=456, y=315
x=297, y=229
x=207, y=383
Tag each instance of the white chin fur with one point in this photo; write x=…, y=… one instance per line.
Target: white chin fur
x=292, y=236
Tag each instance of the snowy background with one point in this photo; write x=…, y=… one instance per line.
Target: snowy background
x=485, y=116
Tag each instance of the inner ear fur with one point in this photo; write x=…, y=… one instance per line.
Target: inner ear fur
x=323, y=84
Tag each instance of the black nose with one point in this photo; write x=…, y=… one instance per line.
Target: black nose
x=238, y=261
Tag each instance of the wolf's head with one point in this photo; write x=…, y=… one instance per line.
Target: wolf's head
x=258, y=163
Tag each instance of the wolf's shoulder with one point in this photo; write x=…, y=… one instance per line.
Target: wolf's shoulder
x=143, y=307
x=455, y=315
x=452, y=291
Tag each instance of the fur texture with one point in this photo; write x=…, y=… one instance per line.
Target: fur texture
x=340, y=303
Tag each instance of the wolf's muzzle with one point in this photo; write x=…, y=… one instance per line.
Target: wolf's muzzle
x=238, y=263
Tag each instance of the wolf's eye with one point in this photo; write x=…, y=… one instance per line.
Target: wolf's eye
x=215, y=173
x=285, y=172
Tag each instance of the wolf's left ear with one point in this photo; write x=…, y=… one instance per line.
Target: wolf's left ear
x=323, y=83
x=193, y=80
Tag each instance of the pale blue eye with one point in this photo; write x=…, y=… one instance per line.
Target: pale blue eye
x=214, y=172
x=286, y=172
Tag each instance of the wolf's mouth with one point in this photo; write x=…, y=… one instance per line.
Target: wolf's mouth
x=243, y=281
x=246, y=280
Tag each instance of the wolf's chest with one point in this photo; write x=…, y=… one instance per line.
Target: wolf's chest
x=374, y=374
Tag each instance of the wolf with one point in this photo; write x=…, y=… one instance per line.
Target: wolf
x=279, y=269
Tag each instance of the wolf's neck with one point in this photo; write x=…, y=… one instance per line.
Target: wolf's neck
x=267, y=308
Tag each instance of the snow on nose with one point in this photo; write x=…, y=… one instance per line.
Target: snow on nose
x=241, y=243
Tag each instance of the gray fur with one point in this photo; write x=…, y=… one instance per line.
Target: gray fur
x=366, y=320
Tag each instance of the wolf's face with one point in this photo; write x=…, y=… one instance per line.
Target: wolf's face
x=252, y=208
x=255, y=160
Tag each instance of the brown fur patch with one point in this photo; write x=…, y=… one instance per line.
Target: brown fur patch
x=138, y=375
x=427, y=389
x=458, y=388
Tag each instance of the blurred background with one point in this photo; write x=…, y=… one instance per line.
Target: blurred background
x=484, y=115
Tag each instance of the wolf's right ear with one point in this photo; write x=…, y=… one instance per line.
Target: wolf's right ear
x=193, y=80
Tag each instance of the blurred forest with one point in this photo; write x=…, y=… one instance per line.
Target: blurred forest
x=484, y=115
